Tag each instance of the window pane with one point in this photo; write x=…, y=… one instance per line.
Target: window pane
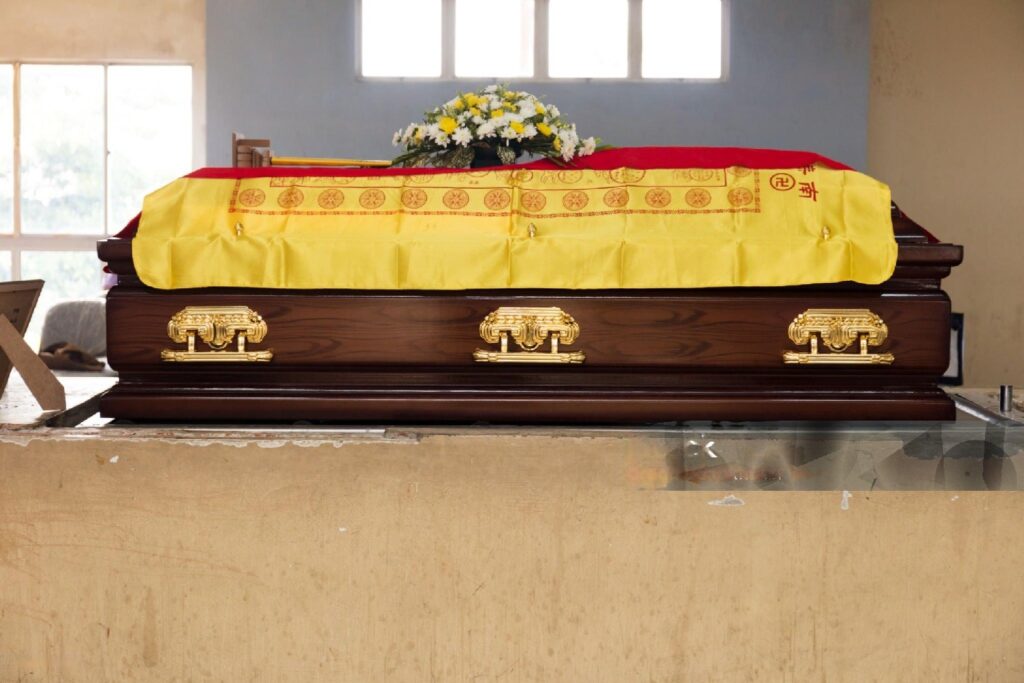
x=485, y=47
x=6, y=149
x=5, y=266
x=68, y=275
x=682, y=39
x=149, y=131
x=588, y=38
x=401, y=37
x=62, y=149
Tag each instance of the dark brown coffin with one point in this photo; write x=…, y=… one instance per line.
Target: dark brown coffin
x=651, y=356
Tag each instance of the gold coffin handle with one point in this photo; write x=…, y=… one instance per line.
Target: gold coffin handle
x=217, y=327
x=529, y=328
x=838, y=329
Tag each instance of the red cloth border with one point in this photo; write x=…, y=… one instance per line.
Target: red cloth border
x=634, y=157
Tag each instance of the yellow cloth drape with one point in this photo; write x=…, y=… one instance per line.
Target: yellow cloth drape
x=563, y=229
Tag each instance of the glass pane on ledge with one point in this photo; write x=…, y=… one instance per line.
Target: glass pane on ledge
x=62, y=149
x=682, y=39
x=485, y=47
x=150, y=134
x=6, y=148
x=588, y=38
x=401, y=38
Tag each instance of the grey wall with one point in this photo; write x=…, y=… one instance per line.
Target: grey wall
x=798, y=79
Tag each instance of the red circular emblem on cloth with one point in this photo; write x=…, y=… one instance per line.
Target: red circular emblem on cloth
x=330, y=199
x=617, y=197
x=495, y=200
x=740, y=196
x=782, y=181
x=251, y=197
x=455, y=199
x=371, y=199
x=533, y=201
x=414, y=199
x=575, y=200
x=290, y=198
x=658, y=197
x=698, y=197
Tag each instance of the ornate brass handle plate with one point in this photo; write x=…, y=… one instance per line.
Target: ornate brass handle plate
x=838, y=329
x=529, y=328
x=217, y=326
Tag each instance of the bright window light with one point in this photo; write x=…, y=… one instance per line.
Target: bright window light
x=62, y=149
x=492, y=39
x=401, y=38
x=150, y=133
x=588, y=38
x=6, y=150
x=682, y=39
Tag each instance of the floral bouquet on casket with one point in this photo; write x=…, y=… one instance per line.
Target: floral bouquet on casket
x=488, y=128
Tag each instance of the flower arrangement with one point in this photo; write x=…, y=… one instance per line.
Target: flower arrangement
x=489, y=127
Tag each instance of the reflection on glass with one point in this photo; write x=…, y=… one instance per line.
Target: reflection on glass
x=588, y=38
x=486, y=45
x=401, y=37
x=150, y=133
x=682, y=39
x=62, y=149
x=67, y=274
x=6, y=148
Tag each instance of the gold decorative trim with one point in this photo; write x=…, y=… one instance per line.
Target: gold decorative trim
x=217, y=326
x=529, y=328
x=838, y=329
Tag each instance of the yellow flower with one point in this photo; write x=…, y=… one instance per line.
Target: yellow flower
x=516, y=126
x=540, y=108
x=544, y=128
x=459, y=105
x=474, y=111
x=557, y=144
x=419, y=134
x=447, y=124
x=497, y=112
x=510, y=95
x=471, y=99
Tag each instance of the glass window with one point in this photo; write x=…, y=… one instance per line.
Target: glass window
x=588, y=38
x=5, y=266
x=67, y=274
x=62, y=149
x=486, y=47
x=149, y=134
x=682, y=39
x=401, y=37
x=6, y=149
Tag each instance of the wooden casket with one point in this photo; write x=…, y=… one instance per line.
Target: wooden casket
x=203, y=345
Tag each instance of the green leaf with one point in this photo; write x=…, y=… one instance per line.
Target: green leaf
x=462, y=157
x=507, y=155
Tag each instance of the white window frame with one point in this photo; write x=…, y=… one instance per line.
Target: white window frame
x=17, y=241
x=540, y=50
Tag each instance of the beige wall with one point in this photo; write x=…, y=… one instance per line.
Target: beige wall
x=946, y=131
x=153, y=31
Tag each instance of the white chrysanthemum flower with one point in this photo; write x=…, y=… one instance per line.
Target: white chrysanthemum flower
x=513, y=116
x=491, y=88
x=508, y=133
x=462, y=136
x=463, y=117
x=589, y=145
x=478, y=120
x=529, y=130
x=486, y=129
x=435, y=133
x=396, y=139
x=553, y=110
